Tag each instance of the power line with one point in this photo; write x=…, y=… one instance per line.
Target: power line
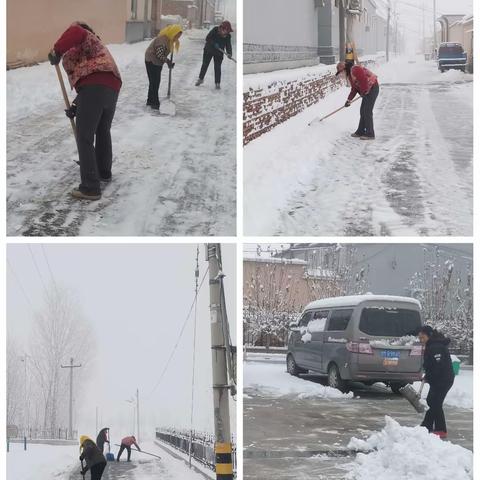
x=17, y=278
x=37, y=269
x=179, y=336
x=48, y=266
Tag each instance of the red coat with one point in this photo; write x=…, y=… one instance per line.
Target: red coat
x=361, y=80
x=86, y=60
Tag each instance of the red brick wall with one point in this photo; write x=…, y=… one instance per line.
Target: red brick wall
x=267, y=107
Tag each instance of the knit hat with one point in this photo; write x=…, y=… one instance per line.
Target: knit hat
x=227, y=26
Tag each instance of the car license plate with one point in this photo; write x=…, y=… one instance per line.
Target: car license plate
x=390, y=354
x=390, y=362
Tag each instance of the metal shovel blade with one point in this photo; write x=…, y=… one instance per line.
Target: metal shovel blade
x=168, y=107
x=413, y=397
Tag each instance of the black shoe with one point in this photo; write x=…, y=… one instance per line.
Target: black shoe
x=367, y=137
x=356, y=135
x=78, y=194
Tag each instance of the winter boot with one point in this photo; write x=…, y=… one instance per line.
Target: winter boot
x=355, y=135
x=442, y=435
x=217, y=86
x=76, y=193
x=365, y=137
x=199, y=82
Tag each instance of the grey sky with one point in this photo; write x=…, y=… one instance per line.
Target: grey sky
x=136, y=298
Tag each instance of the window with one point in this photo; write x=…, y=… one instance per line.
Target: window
x=307, y=316
x=319, y=321
x=339, y=320
x=133, y=9
x=389, y=322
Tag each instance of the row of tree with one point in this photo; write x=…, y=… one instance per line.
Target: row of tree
x=37, y=386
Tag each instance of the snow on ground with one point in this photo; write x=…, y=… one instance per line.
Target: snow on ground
x=406, y=453
x=272, y=379
x=40, y=462
x=414, y=179
x=171, y=175
x=461, y=393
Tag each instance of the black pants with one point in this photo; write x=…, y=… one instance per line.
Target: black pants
x=217, y=63
x=434, y=419
x=96, y=471
x=122, y=448
x=154, y=73
x=95, y=111
x=365, y=127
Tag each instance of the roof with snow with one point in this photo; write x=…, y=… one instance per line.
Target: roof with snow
x=285, y=261
x=354, y=300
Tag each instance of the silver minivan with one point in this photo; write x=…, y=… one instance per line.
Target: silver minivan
x=362, y=338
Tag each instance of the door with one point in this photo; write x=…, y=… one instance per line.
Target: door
x=335, y=346
x=316, y=328
x=301, y=340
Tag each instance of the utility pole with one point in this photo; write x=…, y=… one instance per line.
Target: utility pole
x=341, y=29
x=25, y=397
x=145, y=19
x=388, y=31
x=70, y=412
x=223, y=443
x=138, y=417
x=434, y=24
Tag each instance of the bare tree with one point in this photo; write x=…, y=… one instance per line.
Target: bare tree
x=59, y=332
x=14, y=384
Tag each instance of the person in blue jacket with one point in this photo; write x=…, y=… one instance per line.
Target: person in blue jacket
x=218, y=42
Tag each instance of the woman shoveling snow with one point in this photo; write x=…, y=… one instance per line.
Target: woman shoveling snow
x=439, y=375
x=365, y=83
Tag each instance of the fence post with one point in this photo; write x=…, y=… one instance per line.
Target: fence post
x=25, y=443
x=8, y=444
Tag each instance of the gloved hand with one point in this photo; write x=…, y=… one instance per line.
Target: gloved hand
x=54, y=57
x=170, y=64
x=83, y=471
x=348, y=103
x=72, y=111
x=229, y=55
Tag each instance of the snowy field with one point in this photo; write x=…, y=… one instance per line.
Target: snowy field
x=43, y=462
x=405, y=453
x=414, y=179
x=171, y=175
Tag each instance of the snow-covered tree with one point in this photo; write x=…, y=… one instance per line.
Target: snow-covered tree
x=446, y=296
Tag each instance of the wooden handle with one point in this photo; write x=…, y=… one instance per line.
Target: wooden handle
x=65, y=98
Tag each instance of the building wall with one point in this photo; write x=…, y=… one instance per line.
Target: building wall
x=279, y=34
x=34, y=25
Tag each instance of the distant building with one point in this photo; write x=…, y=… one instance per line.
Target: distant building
x=281, y=34
x=198, y=12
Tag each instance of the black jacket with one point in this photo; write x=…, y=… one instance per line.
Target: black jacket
x=102, y=438
x=215, y=40
x=437, y=362
x=91, y=454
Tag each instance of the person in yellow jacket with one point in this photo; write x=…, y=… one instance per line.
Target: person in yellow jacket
x=93, y=457
x=156, y=55
x=350, y=54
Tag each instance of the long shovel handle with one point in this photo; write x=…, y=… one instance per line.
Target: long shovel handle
x=170, y=78
x=230, y=58
x=315, y=120
x=142, y=451
x=83, y=475
x=421, y=388
x=65, y=98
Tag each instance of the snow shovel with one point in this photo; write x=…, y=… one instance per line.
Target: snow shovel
x=320, y=119
x=413, y=396
x=222, y=51
x=141, y=451
x=167, y=106
x=83, y=475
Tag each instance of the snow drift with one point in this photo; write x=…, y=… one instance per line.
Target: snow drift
x=405, y=453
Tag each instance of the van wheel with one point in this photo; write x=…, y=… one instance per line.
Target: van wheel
x=292, y=367
x=335, y=380
x=396, y=387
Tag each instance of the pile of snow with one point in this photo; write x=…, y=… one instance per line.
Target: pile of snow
x=273, y=380
x=406, y=341
x=41, y=462
x=405, y=453
x=461, y=393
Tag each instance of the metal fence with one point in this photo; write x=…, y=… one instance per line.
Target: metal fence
x=203, y=445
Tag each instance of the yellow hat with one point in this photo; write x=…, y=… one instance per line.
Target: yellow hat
x=83, y=439
x=170, y=31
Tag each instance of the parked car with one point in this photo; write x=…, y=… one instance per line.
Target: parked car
x=451, y=55
x=363, y=338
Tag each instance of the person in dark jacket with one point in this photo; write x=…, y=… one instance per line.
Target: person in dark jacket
x=93, y=457
x=364, y=83
x=218, y=41
x=102, y=438
x=94, y=74
x=439, y=374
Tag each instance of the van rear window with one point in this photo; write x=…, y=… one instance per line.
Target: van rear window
x=396, y=322
x=339, y=320
x=451, y=49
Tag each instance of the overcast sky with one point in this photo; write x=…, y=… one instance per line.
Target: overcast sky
x=136, y=297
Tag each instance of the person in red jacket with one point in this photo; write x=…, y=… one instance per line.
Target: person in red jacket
x=126, y=444
x=93, y=73
x=365, y=83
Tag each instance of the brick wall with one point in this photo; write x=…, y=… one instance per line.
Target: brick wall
x=266, y=107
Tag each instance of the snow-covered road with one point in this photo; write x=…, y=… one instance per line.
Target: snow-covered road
x=414, y=179
x=171, y=175
x=303, y=431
